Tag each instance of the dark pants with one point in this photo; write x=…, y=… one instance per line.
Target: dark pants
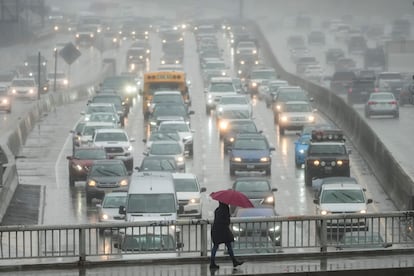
x=214, y=251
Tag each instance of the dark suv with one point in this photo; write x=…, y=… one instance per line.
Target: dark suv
x=360, y=90
x=327, y=156
x=341, y=81
x=250, y=152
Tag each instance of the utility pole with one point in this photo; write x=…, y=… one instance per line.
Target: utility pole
x=39, y=86
x=54, y=78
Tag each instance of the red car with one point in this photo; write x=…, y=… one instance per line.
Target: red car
x=81, y=161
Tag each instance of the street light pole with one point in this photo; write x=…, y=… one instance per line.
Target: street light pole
x=54, y=79
x=39, y=86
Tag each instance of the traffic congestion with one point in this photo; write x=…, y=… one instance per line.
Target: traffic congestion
x=193, y=107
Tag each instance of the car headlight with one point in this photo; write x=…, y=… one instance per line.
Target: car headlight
x=339, y=162
x=237, y=52
x=231, y=139
x=31, y=91
x=92, y=183
x=224, y=125
x=242, y=62
x=153, y=123
x=223, y=73
x=77, y=167
x=302, y=151
x=91, y=35
x=237, y=228
x=254, y=52
x=180, y=159
x=236, y=159
x=278, y=107
x=65, y=82
x=311, y=119
x=194, y=200
x=275, y=229
x=123, y=183
x=239, y=72
x=128, y=149
x=284, y=118
x=254, y=84
x=14, y=91
x=316, y=162
x=77, y=35
x=264, y=159
x=324, y=212
x=131, y=89
x=364, y=211
x=105, y=216
x=114, y=39
x=269, y=199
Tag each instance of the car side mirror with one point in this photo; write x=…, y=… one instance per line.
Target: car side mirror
x=274, y=189
x=144, y=140
x=116, y=245
x=83, y=113
x=181, y=209
x=145, y=153
x=349, y=151
x=387, y=245
x=316, y=201
x=369, y=201
x=203, y=189
x=69, y=157
x=180, y=245
x=122, y=210
x=132, y=140
x=191, y=112
x=272, y=148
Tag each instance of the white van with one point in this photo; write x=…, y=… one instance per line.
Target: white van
x=151, y=197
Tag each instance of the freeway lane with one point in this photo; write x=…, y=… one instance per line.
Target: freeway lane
x=64, y=205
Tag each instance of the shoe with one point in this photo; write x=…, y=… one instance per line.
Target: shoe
x=237, y=263
x=214, y=266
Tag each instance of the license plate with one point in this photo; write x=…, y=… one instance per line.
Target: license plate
x=250, y=166
x=328, y=169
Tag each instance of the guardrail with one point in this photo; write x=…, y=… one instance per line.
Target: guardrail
x=187, y=237
x=392, y=177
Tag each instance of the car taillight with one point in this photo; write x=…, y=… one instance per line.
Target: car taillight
x=376, y=89
x=371, y=103
x=393, y=102
x=350, y=91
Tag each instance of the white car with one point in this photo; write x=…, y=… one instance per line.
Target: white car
x=234, y=100
x=24, y=88
x=218, y=88
x=342, y=198
x=188, y=192
x=85, y=136
x=183, y=130
x=314, y=73
x=99, y=107
x=117, y=145
x=295, y=115
x=62, y=81
x=109, y=208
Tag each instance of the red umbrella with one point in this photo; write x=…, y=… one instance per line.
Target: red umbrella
x=232, y=197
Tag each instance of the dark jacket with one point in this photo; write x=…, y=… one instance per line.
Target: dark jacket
x=220, y=231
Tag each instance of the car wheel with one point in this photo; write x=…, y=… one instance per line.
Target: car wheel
x=89, y=198
x=308, y=179
x=71, y=181
x=268, y=171
x=232, y=171
x=281, y=130
x=397, y=115
x=9, y=111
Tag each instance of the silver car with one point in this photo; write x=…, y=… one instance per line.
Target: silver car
x=294, y=115
x=382, y=103
x=109, y=208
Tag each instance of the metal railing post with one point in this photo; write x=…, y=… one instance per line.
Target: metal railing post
x=323, y=235
x=204, y=238
x=82, y=246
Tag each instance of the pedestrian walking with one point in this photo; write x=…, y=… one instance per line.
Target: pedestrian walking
x=221, y=233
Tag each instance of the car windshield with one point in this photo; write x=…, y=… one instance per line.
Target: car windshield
x=214, y=65
x=109, y=99
x=165, y=149
x=23, y=83
x=363, y=238
x=326, y=149
x=93, y=109
x=114, y=201
x=148, y=242
x=292, y=96
x=243, y=127
x=111, y=136
x=382, y=97
x=99, y=170
x=297, y=108
x=250, y=144
x=233, y=100
x=343, y=196
x=149, y=164
x=171, y=98
x=174, y=127
x=186, y=185
x=151, y=203
x=89, y=130
x=88, y=154
x=164, y=136
x=252, y=186
x=103, y=117
x=221, y=87
x=235, y=114
x=170, y=110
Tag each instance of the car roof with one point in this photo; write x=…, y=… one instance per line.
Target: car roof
x=184, y=176
x=107, y=161
x=221, y=79
x=339, y=180
x=248, y=179
x=342, y=186
x=255, y=212
x=89, y=123
x=118, y=130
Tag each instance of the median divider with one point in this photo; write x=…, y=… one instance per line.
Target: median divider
x=390, y=174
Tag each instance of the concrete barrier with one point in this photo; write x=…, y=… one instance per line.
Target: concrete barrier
x=392, y=177
x=12, y=141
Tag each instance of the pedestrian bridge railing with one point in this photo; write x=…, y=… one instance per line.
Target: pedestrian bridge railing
x=190, y=237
